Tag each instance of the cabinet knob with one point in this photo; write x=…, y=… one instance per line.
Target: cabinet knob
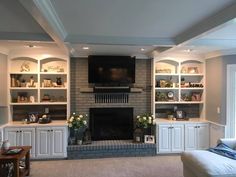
x=48, y=130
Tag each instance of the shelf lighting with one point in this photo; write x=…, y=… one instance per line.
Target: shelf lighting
x=85, y=48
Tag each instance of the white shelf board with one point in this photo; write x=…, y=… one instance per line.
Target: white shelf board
x=166, y=74
x=24, y=73
x=192, y=88
x=198, y=74
x=36, y=103
x=191, y=102
x=41, y=103
x=166, y=88
x=53, y=73
x=166, y=102
x=53, y=103
x=23, y=88
x=53, y=88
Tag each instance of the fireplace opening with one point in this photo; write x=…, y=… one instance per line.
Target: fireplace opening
x=111, y=123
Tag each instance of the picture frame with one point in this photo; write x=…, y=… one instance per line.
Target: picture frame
x=196, y=96
x=149, y=139
x=180, y=114
x=33, y=117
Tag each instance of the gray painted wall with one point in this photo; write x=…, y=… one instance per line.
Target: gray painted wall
x=3, y=89
x=216, y=88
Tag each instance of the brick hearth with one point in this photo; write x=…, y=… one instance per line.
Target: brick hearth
x=110, y=148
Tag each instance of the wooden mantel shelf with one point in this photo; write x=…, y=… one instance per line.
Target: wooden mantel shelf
x=90, y=90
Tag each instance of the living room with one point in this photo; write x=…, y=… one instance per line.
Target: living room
x=168, y=87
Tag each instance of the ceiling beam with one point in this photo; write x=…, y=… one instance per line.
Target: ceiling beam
x=209, y=24
x=43, y=12
x=119, y=40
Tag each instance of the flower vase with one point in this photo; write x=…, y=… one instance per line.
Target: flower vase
x=147, y=131
x=78, y=133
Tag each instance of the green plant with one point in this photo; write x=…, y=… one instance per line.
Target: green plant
x=145, y=120
x=76, y=121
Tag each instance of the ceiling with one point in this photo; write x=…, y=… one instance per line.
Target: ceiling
x=124, y=27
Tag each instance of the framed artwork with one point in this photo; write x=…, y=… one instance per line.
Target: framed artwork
x=33, y=117
x=180, y=114
x=149, y=139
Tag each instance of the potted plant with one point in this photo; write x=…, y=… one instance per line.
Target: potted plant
x=145, y=122
x=77, y=124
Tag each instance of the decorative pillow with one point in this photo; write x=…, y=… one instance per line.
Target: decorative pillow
x=224, y=150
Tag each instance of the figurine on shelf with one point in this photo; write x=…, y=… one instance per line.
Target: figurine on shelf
x=23, y=83
x=59, y=82
x=46, y=97
x=25, y=67
x=31, y=83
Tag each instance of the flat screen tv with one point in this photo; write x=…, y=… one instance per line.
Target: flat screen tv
x=117, y=70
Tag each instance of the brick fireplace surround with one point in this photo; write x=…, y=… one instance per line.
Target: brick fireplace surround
x=82, y=101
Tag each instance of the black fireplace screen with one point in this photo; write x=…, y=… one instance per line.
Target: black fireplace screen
x=111, y=123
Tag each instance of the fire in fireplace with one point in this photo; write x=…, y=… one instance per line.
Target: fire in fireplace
x=111, y=123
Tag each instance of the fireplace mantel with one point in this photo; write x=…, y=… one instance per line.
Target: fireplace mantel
x=90, y=90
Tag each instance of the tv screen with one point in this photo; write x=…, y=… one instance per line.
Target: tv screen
x=111, y=69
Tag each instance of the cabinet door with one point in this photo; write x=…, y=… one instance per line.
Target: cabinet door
x=13, y=136
x=43, y=142
x=177, y=138
x=190, y=136
x=28, y=138
x=165, y=138
x=203, y=136
x=58, y=141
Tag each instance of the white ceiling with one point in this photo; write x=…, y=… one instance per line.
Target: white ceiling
x=133, y=18
x=121, y=27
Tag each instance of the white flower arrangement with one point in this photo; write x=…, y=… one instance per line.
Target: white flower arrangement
x=77, y=121
x=145, y=120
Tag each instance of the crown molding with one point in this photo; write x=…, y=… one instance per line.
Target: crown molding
x=220, y=53
x=49, y=12
x=44, y=13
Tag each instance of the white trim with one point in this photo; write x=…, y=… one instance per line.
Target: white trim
x=230, y=101
x=214, y=123
x=49, y=12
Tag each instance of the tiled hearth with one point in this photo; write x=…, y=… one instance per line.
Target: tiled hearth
x=110, y=148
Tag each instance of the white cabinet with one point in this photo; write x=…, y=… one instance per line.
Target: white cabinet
x=196, y=136
x=3, y=80
x=51, y=142
x=21, y=137
x=171, y=138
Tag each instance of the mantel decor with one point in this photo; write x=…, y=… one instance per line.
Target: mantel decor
x=77, y=124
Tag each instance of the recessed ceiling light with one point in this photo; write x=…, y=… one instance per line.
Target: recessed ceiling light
x=142, y=49
x=85, y=48
x=31, y=46
x=188, y=50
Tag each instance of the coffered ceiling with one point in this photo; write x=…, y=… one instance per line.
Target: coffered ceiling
x=124, y=27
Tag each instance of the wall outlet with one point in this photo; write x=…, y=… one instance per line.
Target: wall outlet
x=218, y=110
